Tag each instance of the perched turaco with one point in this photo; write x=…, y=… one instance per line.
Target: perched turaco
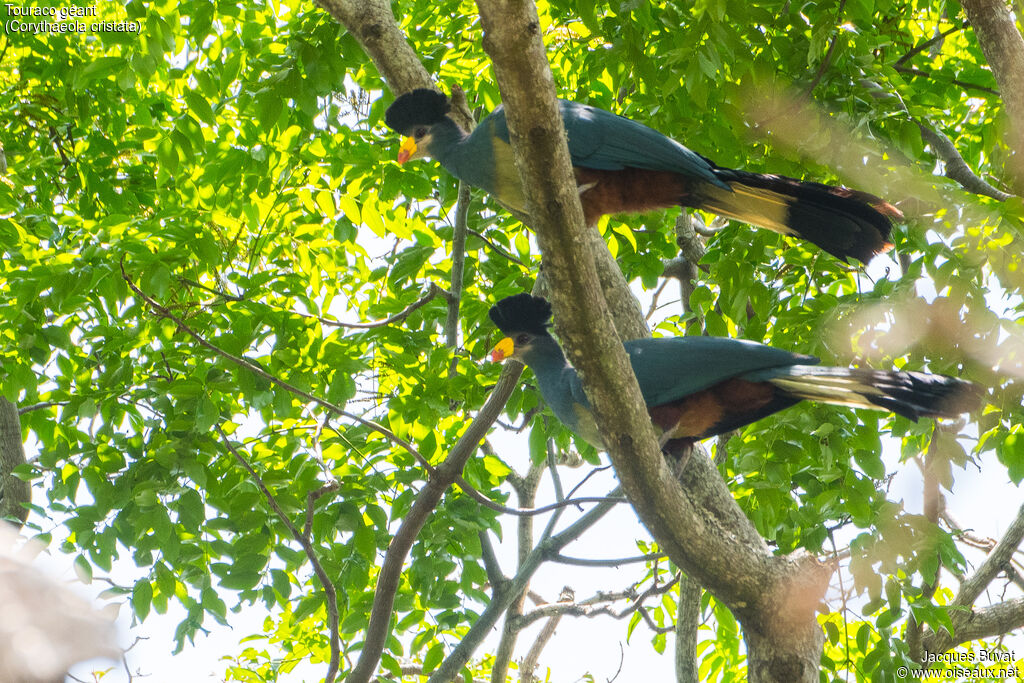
x=697, y=387
x=623, y=166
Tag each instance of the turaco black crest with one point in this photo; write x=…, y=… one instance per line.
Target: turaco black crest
x=421, y=107
x=522, y=313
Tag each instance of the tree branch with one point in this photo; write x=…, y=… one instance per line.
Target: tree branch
x=687, y=622
x=956, y=167
x=441, y=477
x=501, y=252
x=390, y=575
x=921, y=47
x=611, y=562
x=996, y=562
x=774, y=597
x=526, y=491
x=307, y=547
x=499, y=603
x=1003, y=46
x=15, y=493
x=529, y=663
x=985, y=622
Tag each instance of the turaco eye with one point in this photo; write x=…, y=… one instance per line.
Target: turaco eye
x=419, y=133
x=522, y=339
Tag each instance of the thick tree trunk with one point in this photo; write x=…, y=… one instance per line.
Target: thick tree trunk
x=1001, y=41
x=14, y=492
x=700, y=526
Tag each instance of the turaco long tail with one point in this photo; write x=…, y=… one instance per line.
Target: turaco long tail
x=623, y=166
x=697, y=387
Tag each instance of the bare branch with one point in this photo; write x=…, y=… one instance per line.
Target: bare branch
x=955, y=166
x=526, y=491
x=597, y=605
x=529, y=512
x=985, y=622
x=529, y=663
x=489, y=617
x=496, y=577
x=40, y=406
x=954, y=81
x=996, y=562
x=649, y=620
x=611, y=562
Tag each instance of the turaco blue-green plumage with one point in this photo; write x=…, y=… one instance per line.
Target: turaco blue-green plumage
x=697, y=387
x=623, y=166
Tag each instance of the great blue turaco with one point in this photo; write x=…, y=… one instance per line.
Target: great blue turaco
x=697, y=387
x=623, y=166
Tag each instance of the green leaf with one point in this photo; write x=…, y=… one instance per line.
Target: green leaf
x=207, y=415
x=871, y=463
x=142, y=597
x=433, y=657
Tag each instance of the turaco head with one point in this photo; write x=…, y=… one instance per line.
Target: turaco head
x=413, y=115
x=523, y=318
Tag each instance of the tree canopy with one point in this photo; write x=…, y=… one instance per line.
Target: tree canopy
x=245, y=344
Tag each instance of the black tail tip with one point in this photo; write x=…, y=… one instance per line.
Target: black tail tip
x=917, y=394
x=846, y=223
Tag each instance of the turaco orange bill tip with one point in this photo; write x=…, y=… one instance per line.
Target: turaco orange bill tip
x=407, y=149
x=503, y=350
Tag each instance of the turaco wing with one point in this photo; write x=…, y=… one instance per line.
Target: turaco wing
x=624, y=166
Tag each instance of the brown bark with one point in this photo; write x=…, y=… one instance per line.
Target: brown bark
x=773, y=597
x=14, y=492
x=1003, y=46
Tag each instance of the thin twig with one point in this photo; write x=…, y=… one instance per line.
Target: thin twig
x=216, y=292
x=956, y=167
x=584, y=480
x=311, y=499
x=257, y=370
x=827, y=61
x=40, y=406
x=938, y=37
x=495, y=247
x=432, y=291
x=955, y=81
x=530, y=512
